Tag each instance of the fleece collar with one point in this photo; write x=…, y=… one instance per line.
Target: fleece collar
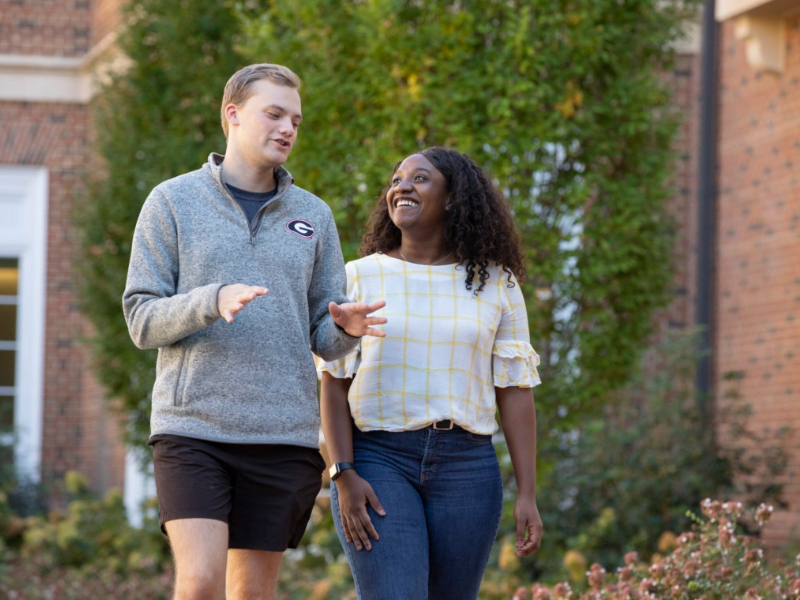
x=282, y=176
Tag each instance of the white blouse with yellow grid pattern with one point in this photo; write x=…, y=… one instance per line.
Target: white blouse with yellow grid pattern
x=445, y=349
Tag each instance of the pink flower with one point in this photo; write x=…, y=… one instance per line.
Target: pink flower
x=631, y=558
x=690, y=569
x=726, y=537
x=734, y=509
x=520, y=594
x=596, y=575
x=658, y=570
x=648, y=585
x=628, y=592
x=725, y=574
x=763, y=514
x=753, y=555
x=562, y=591
x=711, y=508
x=540, y=592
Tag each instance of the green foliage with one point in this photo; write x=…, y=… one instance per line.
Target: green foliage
x=156, y=120
x=630, y=474
x=560, y=100
x=95, y=533
x=88, y=550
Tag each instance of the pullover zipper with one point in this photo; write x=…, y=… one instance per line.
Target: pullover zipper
x=257, y=220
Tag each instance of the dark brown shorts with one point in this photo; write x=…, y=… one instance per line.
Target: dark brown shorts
x=264, y=492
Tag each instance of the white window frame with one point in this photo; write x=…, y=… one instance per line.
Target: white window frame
x=23, y=236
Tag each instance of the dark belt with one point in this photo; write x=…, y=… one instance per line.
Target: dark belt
x=444, y=424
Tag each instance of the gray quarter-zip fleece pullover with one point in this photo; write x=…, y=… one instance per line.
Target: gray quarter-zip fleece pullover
x=252, y=381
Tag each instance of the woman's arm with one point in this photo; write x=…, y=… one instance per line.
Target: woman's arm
x=518, y=415
x=354, y=492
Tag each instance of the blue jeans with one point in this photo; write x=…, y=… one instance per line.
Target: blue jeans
x=443, y=497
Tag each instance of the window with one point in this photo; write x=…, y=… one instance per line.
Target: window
x=23, y=248
x=9, y=277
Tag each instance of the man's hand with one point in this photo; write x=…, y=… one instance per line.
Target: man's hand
x=529, y=526
x=233, y=298
x=352, y=317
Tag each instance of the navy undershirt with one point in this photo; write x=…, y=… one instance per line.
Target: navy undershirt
x=251, y=202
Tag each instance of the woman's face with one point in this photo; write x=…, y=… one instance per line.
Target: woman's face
x=417, y=196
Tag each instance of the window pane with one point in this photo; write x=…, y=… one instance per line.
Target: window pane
x=7, y=359
x=6, y=414
x=9, y=274
x=9, y=280
x=8, y=322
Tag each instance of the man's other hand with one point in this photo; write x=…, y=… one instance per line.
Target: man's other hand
x=233, y=298
x=353, y=317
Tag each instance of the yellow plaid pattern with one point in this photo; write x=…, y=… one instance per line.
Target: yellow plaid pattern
x=445, y=348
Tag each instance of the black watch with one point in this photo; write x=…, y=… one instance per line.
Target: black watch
x=338, y=468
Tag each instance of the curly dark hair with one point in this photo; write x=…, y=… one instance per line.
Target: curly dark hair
x=479, y=227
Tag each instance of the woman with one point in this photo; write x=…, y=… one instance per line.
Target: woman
x=408, y=418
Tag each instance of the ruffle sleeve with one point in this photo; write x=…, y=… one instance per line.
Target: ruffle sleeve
x=514, y=364
x=342, y=368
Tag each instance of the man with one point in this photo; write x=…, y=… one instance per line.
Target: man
x=236, y=276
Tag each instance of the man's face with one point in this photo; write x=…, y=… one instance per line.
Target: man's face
x=264, y=127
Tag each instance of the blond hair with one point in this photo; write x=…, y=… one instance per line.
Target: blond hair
x=237, y=90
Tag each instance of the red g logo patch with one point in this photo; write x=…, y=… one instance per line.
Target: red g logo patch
x=302, y=228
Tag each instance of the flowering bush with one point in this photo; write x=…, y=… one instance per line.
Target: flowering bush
x=623, y=478
x=711, y=562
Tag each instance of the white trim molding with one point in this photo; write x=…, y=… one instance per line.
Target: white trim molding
x=140, y=484
x=764, y=41
x=43, y=79
x=34, y=78
x=761, y=25
x=23, y=235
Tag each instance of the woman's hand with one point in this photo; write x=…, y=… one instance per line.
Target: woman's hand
x=518, y=414
x=529, y=526
x=354, y=495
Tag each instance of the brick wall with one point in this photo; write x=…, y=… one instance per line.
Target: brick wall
x=77, y=431
x=758, y=259
x=45, y=27
x=684, y=82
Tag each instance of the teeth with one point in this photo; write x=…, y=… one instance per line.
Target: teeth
x=406, y=203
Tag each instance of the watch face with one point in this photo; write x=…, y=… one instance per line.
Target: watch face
x=338, y=468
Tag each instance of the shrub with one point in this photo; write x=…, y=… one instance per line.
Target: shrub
x=620, y=480
x=35, y=579
x=713, y=561
x=94, y=533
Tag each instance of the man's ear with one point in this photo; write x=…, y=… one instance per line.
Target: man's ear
x=231, y=113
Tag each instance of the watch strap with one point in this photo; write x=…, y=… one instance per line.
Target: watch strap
x=337, y=469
